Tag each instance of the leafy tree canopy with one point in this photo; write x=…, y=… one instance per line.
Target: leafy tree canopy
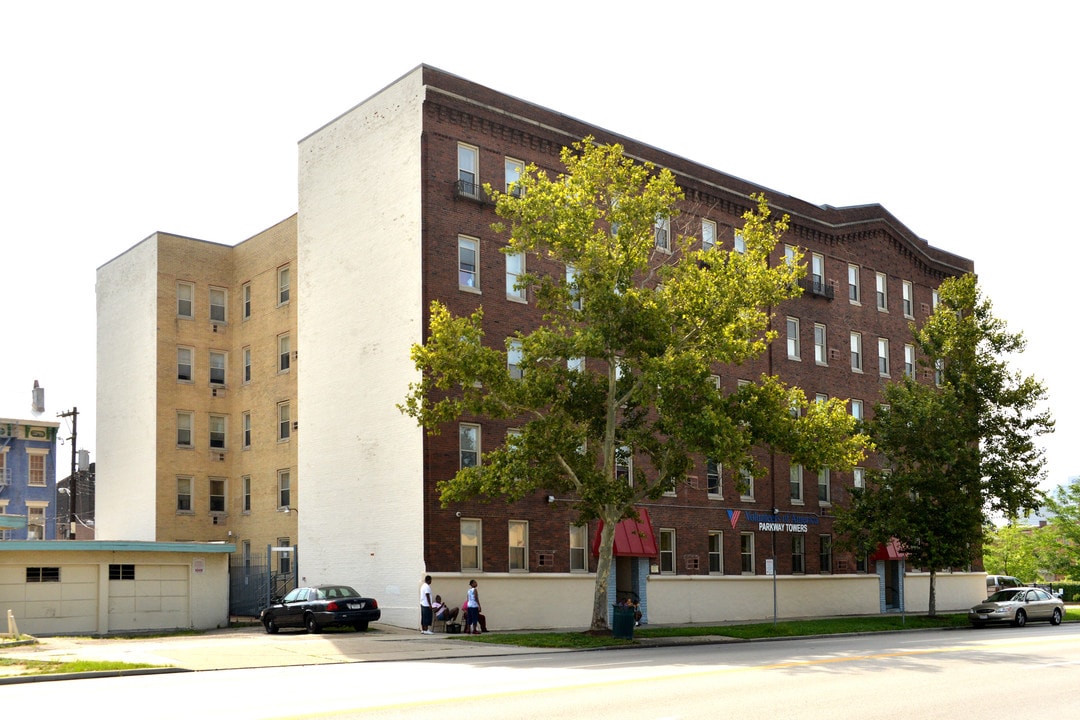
x=955, y=450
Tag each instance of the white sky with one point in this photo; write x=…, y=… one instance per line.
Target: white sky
x=123, y=118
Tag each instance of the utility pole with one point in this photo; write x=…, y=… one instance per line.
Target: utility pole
x=73, y=413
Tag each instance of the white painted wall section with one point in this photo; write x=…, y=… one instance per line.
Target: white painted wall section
x=359, y=282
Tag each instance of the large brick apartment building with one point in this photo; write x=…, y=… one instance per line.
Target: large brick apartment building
x=292, y=401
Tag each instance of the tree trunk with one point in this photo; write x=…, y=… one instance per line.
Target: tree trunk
x=603, y=574
x=933, y=593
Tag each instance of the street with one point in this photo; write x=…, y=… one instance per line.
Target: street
x=937, y=674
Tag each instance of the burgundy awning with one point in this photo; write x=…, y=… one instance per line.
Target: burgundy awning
x=633, y=538
x=889, y=551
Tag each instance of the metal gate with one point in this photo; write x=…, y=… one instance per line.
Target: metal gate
x=254, y=583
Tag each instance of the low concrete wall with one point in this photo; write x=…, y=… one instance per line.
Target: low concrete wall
x=564, y=601
x=955, y=592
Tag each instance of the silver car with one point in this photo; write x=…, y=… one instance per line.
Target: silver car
x=1017, y=606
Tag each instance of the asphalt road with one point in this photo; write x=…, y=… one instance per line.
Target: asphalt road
x=930, y=674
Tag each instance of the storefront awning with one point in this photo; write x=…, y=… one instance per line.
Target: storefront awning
x=889, y=551
x=633, y=538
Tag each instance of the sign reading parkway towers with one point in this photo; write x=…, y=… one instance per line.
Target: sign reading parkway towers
x=774, y=522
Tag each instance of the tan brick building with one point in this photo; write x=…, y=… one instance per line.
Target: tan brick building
x=210, y=435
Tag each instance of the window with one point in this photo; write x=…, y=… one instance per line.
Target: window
x=217, y=367
x=185, y=300
x=512, y=170
x=5, y=471
x=740, y=243
x=795, y=476
x=824, y=487
x=798, y=554
x=284, y=343
x=572, y=287
x=42, y=574
x=746, y=551
x=821, y=398
x=468, y=263
x=183, y=364
x=662, y=231
x=217, y=495
x=858, y=476
x=284, y=483
x=713, y=472
x=882, y=292
x=217, y=305
x=471, y=540
x=791, y=254
x=825, y=554
x=909, y=299
x=793, y=338
x=246, y=424
x=817, y=273
x=853, y=284
x=247, y=365
x=468, y=170
x=746, y=485
x=284, y=422
x=578, y=541
x=716, y=553
x=575, y=364
x=624, y=465
x=519, y=545
x=118, y=571
x=35, y=521
x=515, y=268
x=708, y=234
x=883, y=356
x=284, y=280
x=934, y=299
x=667, y=551
x=857, y=409
x=36, y=467
x=513, y=359
x=821, y=356
x=284, y=558
x=245, y=297
x=469, y=445
x=939, y=371
x=909, y=360
x=856, y=351
x=184, y=425
x=183, y=494
x=245, y=488
x=217, y=432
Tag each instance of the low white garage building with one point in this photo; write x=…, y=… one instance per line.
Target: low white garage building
x=103, y=587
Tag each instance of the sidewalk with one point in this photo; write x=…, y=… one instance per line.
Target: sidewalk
x=251, y=647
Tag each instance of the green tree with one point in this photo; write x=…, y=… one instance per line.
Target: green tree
x=1012, y=550
x=1062, y=554
x=621, y=363
x=957, y=450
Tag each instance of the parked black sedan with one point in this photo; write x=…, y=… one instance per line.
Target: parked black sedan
x=321, y=606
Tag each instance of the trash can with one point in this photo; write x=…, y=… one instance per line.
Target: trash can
x=622, y=622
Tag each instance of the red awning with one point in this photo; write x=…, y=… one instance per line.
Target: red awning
x=633, y=538
x=889, y=551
